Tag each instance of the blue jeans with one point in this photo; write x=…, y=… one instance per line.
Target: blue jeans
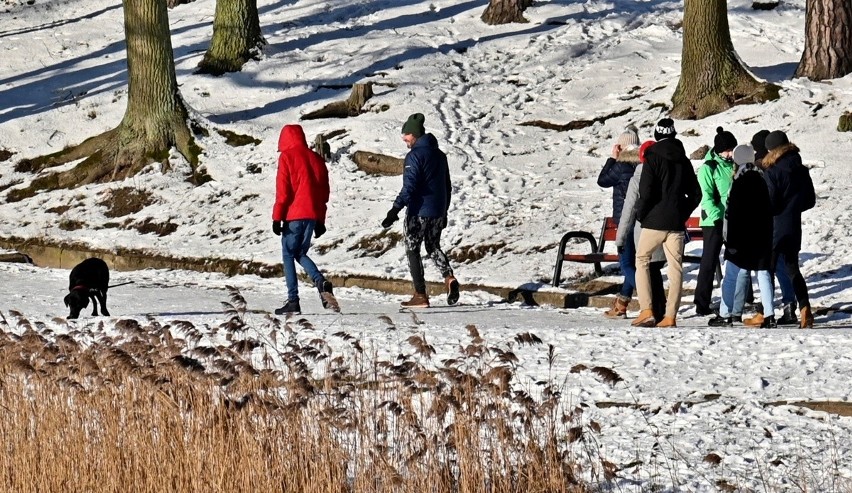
x=734, y=286
x=788, y=294
x=627, y=262
x=295, y=242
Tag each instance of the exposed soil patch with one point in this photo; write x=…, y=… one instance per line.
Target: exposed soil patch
x=325, y=248
x=159, y=229
x=5, y=154
x=234, y=139
x=472, y=253
x=124, y=201
x=60, y=209
x=376, y=245
x=71, y=225
x=838, y=408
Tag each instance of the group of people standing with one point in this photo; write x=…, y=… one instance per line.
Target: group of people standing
x=301, y=197
x=752, y=197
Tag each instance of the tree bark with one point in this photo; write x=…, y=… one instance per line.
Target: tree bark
x=154, y=121
x=712, y=77
x=844, y=124
x=828, y=40
x=236, y=37
x=505, y=11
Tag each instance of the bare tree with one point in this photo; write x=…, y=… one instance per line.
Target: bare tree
x=712, y=77
x=828, y=40
x=505, y=11
x=236, y=37
x=155, y=119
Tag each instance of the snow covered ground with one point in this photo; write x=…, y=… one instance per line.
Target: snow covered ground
x=516, y=190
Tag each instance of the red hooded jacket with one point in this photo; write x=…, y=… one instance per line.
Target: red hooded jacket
x=301, y=187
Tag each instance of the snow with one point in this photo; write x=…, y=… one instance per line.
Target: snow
x=64, y=79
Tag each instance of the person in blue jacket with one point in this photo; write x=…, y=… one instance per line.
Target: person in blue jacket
x=425, y=194
x=616, y=174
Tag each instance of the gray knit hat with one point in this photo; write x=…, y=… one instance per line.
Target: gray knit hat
x=744, y=154
x=629, y=138
x=414, y=125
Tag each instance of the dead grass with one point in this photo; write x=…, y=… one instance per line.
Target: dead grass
x=124, y=201
x=376, y=245
x=154, y=407
x=472, y=253
x=150, y=226
x=71, y=225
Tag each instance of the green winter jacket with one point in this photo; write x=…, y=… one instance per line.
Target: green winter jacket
x=715, y=177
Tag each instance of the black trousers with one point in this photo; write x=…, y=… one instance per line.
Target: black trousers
x=791, y=262
x=658, y=291
x=420, y=230
x=707, y=269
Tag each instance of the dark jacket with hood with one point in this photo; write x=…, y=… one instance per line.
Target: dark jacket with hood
x=426, y=186
x=791, y=192
x=668, y=188
x=616, y=174
x=301, y=185
x=748, y=216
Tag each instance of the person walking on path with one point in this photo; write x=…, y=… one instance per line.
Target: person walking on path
x=426, y=192
x=791, y=192
x=629, y=230
x=668, y=193
x=616, y=174
x=748, y=243
x=715, y=177
x=301, y=195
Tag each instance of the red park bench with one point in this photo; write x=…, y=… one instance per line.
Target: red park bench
x=608, y=232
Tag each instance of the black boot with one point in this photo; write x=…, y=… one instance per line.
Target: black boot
x=768, y=322
x=720, y=321
x=290, y=308
x=789, y=317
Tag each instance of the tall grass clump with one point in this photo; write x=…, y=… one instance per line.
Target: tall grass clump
x=145, y=406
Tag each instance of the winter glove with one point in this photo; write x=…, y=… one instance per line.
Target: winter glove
x=392, y=217
x=443, y=222
x=319, y=230
x=276, y=228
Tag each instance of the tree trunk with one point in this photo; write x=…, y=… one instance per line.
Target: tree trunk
x=505, y=11
x=236, y=37
x=712, y=78
x=828, y=40
x=154, y=121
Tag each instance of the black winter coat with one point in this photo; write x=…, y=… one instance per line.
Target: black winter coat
x=791, y=192
x=748, y=242
x=616, y=174
x=426, y=187
x=668, y=188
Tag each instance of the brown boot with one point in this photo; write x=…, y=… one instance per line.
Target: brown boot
x=667, y=322
x=645, y=319
x=452, y=290
x=806, y=317
x=619, y=308
x=419, y=300
x=755, y=321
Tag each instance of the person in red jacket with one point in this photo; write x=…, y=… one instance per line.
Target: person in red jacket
x=301, y=194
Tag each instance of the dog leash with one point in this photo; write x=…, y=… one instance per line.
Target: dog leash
x=120, y=284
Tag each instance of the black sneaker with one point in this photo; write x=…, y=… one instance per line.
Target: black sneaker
x=768, y=322
x=720, y=321
x=326, y=294
x=290, y=308
x=738, y=319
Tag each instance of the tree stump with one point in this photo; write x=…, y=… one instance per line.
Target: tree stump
x=845, y=122
x=322, y=147
x=344, y=109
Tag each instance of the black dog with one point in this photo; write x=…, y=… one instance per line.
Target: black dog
x=88, y=279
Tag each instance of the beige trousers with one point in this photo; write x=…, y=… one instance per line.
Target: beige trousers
x=672, y=242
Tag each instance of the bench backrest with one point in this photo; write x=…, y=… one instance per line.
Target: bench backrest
x=610, y=229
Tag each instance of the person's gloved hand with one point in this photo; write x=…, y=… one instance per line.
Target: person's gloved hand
x=276, y=228
x=319, y=230
x=392, y=217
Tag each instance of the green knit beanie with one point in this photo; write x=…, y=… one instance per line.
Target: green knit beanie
x=414, y=125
